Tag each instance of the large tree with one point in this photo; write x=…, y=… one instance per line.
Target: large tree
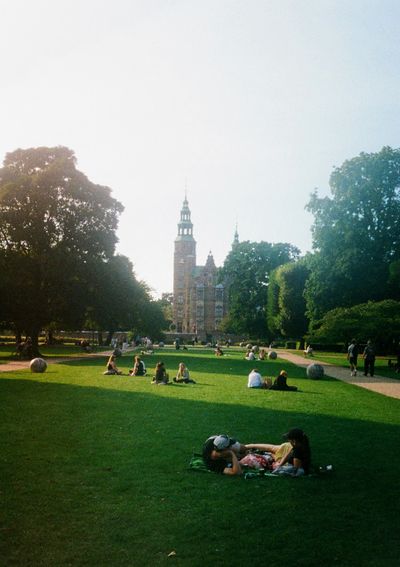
x=55, y=225
x=356, y=234
x=246, y=270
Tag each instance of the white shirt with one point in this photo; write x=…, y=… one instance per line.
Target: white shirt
x=255, y=380
x=250, y=356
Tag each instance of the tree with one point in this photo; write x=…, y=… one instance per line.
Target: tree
x=286, y=304
x=356, y=233
x=54, y=225
x=379, y=321
x=246, y=271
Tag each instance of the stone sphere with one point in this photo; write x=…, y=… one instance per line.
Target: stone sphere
x=315, y=371
x=38, y=365
x=272, y=355
x=160, y=344
x=255, y=349
x=249, y=346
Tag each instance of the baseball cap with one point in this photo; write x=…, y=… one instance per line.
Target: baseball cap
x=222, y=442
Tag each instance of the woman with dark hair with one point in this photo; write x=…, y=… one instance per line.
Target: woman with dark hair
x=291, y=458
x=161, y=377
x=112, y=367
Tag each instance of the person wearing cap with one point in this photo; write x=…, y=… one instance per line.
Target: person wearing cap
x=220, y=454
x=280, y=383
x=291, y=458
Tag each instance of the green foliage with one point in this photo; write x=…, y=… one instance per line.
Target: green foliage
x=379, y=321
x=247, y=270
x=285, y=303
x=356, y=234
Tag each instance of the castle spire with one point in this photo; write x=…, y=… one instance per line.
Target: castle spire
x=236, y=237
x=185, y=225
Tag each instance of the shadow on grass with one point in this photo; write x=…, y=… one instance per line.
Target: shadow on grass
x=100, y=477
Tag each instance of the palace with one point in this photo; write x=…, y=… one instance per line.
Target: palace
x=200, y=302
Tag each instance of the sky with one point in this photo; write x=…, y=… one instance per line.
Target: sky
x=248, y=105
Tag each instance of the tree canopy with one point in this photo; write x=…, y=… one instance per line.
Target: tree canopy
x=57, y=242
x=246, y=270
x=356, y=234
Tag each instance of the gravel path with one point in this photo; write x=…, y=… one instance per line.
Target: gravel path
x=380, y=384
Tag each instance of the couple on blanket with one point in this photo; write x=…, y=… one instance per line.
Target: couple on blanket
x=225, y=455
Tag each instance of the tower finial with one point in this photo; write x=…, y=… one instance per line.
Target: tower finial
x=236, y=236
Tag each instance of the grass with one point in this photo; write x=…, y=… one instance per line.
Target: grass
x=94, y=469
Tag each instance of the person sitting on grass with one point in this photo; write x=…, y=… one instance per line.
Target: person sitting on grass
x=112, y=367
x=139, y=368
x=220, y=454
x=280, y=383
x=255, y=380
x=261, y=354
x=309, y=351
x=219, y=351
x=183, y=374
x=250, y=355
x=161, y=378
x=292, y=458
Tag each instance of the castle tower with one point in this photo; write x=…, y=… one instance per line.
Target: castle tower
x=184, y=264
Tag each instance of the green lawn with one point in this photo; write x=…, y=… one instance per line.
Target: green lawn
x=94, y=469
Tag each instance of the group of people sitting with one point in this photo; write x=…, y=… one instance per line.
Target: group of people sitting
x=224, y=455
x=252, y=352
x=255, y=380
x=161, y=377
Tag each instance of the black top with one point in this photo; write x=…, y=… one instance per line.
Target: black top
x=303, y=453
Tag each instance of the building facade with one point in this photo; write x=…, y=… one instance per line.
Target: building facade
x=200, y=302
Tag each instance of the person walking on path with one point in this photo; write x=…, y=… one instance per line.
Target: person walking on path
x=369, y=359
x=352, y=353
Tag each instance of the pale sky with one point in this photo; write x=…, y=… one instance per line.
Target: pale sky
x=249, y=103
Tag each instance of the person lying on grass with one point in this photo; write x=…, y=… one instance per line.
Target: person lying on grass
x=220, y=454
x=161, y=377
x=111, y=366
x=183, y=374
x=292, y=458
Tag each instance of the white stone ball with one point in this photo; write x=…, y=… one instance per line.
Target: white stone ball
x=272, y=355
x=315, y=371
x=38, y=365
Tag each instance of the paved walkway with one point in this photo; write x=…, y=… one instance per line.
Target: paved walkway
x=380, y=384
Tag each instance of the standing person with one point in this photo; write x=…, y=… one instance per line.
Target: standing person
x=352, y=353
x=369, y=359
x=183, y=374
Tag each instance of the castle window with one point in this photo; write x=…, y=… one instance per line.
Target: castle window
x=180, y=298
x=219, y=293
x=218, y=311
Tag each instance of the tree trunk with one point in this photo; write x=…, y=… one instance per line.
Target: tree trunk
x=35, y=343
x=109, y=337
x=100, y=338
x=49, y=337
